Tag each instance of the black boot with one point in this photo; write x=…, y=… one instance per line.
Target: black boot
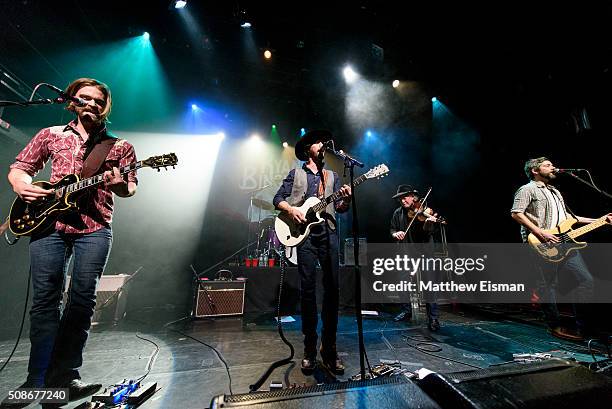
x=309, y=363
x=331, y=361
x=433, y=324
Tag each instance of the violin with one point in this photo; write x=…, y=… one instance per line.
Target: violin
x=426, y=213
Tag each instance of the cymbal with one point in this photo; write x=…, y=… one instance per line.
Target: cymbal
x=262, y=204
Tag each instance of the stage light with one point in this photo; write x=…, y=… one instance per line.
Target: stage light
x=434, y=99
x=246, y=24
x=146, y=36
x=302, y=132
x=285, y=145
x=369, y=133
x=395, y=83
x=267, y=54
x=194, y=107
x=273, y=125
x=254, y=143
x=180, y=4
x=349, y=74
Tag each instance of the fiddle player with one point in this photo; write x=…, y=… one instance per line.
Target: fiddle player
x=421, y=231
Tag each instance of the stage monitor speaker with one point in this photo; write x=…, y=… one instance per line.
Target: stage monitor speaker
x=552, y=383
x=384, y=392
x=220, y=298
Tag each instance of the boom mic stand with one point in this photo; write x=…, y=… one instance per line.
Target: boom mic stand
x=350, y=163
x=590, y=184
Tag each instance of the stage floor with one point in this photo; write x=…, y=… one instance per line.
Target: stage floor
x=190, y=374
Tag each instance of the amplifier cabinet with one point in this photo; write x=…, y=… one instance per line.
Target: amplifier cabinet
x=220, y=298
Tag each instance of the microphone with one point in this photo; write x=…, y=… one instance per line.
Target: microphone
x=65, y=97
x=557, y=170
x=329, y=146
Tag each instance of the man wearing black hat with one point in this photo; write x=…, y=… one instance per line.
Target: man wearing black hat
x=419, y=232
x=321, y=245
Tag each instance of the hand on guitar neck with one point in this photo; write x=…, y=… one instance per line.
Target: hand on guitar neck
x=114, y=181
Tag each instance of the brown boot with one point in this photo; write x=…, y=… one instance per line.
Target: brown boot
x=566, y=334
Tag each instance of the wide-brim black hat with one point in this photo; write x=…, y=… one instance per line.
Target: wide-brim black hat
x=405, y=190
x=309, y=138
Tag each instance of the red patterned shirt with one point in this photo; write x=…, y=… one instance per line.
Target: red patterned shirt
x=66, y=149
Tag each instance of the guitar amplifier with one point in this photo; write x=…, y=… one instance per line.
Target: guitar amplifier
x=111, y=298
x=220, y=298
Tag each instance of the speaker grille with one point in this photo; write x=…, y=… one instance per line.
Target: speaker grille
x=220, y=302
x=508, y=370
x=309, y=390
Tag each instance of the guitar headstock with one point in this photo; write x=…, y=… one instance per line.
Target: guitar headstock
x=377, y=171
x=161, y=161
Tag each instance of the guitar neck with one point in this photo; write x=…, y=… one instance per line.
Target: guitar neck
x=588, y=227
x=336, y=195
x=97, y=179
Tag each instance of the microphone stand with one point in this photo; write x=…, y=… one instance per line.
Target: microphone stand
x=350, y=163
x=45, y=101
x=590, y=184
x=62, y=99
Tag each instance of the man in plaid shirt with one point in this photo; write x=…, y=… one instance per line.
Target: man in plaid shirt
x=539, y=206
x=57, y=340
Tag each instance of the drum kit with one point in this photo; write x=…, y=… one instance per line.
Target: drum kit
x=268, y=246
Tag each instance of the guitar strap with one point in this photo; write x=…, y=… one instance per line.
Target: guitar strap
x=561, y=202
x=96, y=157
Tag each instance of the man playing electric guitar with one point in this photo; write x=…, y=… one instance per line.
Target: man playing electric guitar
x=321, y=244
x=57, y=342
x=539, y=206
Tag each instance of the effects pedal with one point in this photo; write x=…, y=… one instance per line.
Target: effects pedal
x=377, y=371
x=126, y=392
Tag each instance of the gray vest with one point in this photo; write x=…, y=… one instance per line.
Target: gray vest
x=298, y=193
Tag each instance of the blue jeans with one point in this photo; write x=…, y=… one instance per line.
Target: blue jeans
x=323, y=248
x=58, y=337
x=574, y=270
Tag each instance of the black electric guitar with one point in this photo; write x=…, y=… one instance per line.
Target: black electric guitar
x=27, y=219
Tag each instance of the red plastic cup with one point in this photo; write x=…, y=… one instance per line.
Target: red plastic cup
x=255, y=262
x=271, y=262
x=247, y=262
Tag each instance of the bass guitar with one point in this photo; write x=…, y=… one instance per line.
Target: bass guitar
x=556, y=252
x=27, y=219
x=291, y=233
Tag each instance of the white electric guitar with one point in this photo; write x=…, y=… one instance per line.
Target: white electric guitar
x=291, y=233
